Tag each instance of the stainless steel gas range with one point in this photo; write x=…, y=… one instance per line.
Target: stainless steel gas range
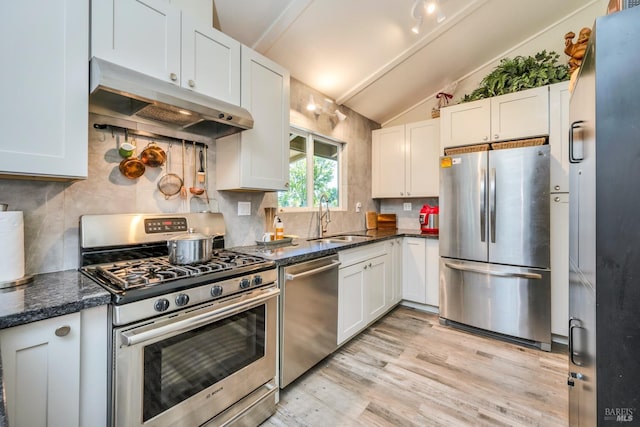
x=191, y=345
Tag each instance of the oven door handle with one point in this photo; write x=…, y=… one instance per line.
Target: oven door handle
x=130, y=338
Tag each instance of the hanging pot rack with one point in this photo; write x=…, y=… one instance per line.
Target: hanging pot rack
x=146, y=134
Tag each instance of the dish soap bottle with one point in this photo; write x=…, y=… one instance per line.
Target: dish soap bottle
x=279, y=226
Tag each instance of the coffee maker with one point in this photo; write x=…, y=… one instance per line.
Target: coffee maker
x=429, y=219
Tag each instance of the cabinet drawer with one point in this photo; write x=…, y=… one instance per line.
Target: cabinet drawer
x=361, y=253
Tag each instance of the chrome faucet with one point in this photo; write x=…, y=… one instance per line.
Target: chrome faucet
x=322, y=228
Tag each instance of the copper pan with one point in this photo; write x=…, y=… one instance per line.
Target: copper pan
x=153, y=156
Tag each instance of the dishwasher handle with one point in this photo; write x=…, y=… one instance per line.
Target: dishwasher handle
x=333, y=264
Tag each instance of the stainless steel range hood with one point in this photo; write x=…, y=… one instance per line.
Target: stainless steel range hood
x=115, y=89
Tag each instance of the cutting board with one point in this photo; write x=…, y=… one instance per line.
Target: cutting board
x=387, y=221
x=371, y=220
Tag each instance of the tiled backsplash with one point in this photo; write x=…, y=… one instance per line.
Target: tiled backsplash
x=407, y=219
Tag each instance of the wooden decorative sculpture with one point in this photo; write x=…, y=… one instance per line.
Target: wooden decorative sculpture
x=576, y=50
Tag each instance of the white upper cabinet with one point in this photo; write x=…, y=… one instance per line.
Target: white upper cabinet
x=513, y=116
x=44, y=83
x=143, y=35
x=559, y=97
x=210, y=61
x=464, y=124
x=258, y=158
x=405, y=160
x=157, y=39
x=387, y=168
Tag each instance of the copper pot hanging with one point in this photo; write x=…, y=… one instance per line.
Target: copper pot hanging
x=153, y=156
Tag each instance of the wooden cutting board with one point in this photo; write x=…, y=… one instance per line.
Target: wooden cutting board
x=387, y=221
x=371, y=220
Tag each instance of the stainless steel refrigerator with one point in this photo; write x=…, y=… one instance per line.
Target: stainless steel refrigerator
x=604, y=227
x=494, y=243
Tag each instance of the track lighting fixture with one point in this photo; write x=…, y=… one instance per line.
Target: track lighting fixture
x=311, y=106
x=341, y=116
x=326, y=108
x=426, y=7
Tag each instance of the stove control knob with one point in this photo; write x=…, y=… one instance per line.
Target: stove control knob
x=216, y=291
x=244, y=283
x=182, y=299
x=161, y=305
x=257, y=281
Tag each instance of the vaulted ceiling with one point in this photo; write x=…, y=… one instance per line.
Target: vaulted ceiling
x=363, y=54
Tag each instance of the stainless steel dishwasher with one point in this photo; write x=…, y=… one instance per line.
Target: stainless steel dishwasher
x=309, y=321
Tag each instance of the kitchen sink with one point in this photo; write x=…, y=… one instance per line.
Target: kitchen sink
x=342, y=238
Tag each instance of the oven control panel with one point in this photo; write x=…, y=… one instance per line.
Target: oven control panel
x=165, y=225
x=170, y=302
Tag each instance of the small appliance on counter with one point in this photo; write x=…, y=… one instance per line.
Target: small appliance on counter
x=429, y=219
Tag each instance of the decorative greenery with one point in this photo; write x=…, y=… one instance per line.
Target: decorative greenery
x=519, y=73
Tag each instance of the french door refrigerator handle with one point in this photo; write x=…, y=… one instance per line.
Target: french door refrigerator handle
x=575, y=125
x=483, y=205
x=492, y=205
x=462, y=267
x=573, y=326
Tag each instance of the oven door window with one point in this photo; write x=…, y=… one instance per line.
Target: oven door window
x=181, y=366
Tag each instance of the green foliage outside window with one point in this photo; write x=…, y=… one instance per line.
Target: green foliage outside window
x=325, y=173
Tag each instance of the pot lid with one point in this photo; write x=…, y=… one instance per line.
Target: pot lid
x=192, y=234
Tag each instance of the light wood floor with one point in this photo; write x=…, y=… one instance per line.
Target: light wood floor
x=408, y=370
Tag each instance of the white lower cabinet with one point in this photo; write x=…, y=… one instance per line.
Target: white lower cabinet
x=364, y=283
x=559, y=247
x=420, y=270
x=55, y=371
x=41, y=372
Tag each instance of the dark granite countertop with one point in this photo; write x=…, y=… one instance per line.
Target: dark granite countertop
x=49, y=295
x=303, y=250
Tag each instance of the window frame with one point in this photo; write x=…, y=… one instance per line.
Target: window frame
x=311, y=136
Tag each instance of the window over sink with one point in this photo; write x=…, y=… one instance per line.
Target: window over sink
x=315, y=168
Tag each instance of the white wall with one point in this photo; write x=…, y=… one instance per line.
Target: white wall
x=552, y=39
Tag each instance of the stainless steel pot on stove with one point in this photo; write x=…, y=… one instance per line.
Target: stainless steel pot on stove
x=190, y=248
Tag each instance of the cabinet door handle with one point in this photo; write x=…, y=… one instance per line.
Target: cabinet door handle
x=557, y=187
x=63, y=331
x=575, y=125
x=485, y=138
x=556, y=199
x=192, y=83
x=402, y=194
x=496, y=136
x=173, y=77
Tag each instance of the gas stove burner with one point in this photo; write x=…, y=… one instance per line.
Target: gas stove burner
x=128, y=274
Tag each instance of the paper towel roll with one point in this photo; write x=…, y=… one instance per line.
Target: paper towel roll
x=11, y=246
